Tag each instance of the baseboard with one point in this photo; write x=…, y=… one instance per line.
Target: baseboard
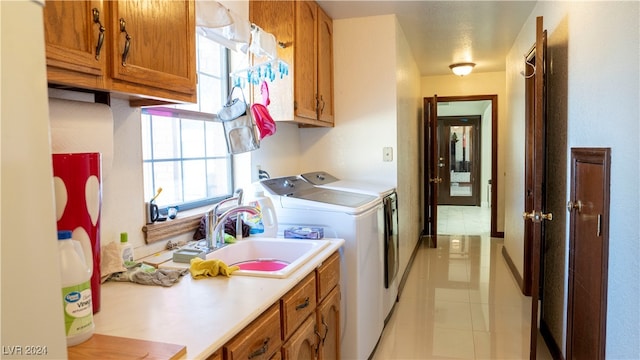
x=403, y=280
x=512, y=267
x=553, y=347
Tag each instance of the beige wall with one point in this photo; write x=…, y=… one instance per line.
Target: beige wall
x=409, y=105
x=377, y=104
x=492, y=83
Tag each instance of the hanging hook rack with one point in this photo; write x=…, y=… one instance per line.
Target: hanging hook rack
x=254, y=75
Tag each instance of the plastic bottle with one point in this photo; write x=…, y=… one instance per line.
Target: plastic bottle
x=126, y=250
x=75, y=270
x=265, y=224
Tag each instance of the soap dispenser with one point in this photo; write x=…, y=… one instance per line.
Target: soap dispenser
x=126, y=250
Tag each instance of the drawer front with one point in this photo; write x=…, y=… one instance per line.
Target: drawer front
x=298, y=304
x=260, y=340
x=328, y=275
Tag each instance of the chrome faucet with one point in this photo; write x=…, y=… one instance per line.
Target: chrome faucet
x=215, y=223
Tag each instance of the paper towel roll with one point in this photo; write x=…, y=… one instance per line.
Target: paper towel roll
x=80, y=127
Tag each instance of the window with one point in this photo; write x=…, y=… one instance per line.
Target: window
x=184, y=153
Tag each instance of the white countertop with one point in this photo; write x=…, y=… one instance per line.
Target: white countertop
x=200, y=314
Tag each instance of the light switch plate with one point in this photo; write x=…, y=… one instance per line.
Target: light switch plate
x=387, y=153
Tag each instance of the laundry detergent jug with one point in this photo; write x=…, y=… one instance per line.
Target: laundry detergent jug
x=266, y=223
x=76, y=267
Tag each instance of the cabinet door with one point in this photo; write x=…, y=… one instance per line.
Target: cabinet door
x=302, y=344
x=153, y=45
x=277, y=18
x=325, y=67
x=329, y=326
x=73, y=42
x=305, y=59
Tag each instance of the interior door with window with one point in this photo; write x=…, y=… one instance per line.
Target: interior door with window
x=459, y=160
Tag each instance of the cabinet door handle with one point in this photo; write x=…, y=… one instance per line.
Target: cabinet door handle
x=303, y=305
x=127, y=44
x=326, y=330
x=96, y=20
x=320, y=341
x=322, y=106
x=263, y=349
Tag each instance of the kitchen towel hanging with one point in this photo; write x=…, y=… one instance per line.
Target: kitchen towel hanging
x=263, y=44
x=81, y=127
x=239, y=128
x=260, y=113
x=222, y=25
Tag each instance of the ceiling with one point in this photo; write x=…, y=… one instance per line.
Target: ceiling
x=444, y=32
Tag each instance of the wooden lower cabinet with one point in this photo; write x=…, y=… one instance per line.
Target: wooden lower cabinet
x=260, y=340
x=306, y=320
x=215, y=356
x=328, y=320
x=303, y=343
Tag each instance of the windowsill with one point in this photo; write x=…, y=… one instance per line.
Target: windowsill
x=187, y=221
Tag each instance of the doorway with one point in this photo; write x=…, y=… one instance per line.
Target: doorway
x=431, y=178
x=461, y=159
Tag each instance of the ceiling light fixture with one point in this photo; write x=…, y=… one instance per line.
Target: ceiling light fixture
x=462, y=69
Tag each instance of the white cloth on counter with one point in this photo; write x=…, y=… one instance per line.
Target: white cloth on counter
x=263, y=44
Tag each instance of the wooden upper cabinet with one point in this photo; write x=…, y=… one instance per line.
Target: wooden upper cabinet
x=153, y=46
x=306, y=95
x=160, y=64
x=306, y=60
x=325, y=67
x=75, y=43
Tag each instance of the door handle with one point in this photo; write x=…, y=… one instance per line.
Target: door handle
x=574, y=205
x=436, y=180
x=537, y=216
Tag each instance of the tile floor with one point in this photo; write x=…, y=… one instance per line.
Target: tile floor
x=460, y=300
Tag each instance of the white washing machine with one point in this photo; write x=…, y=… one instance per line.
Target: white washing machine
x=357, y=219
x=389, y=245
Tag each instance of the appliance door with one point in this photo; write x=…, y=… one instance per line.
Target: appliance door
x=391, y=258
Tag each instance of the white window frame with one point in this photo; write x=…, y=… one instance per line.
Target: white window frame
x=189, y=112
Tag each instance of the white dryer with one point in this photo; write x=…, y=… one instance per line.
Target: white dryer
x=389, y=246
x=356, y=218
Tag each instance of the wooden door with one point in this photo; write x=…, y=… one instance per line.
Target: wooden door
x=328, y=321
x=588, y=253
x=535, y=179
x=153, y=44
x=74, y=36
x=432, y=170
x=459, y=160
x=305, y=60
x=302, y=344
x=325, y=67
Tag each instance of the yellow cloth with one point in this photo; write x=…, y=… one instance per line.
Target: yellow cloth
x=201, y=269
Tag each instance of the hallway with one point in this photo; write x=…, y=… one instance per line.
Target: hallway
x=460, y=300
